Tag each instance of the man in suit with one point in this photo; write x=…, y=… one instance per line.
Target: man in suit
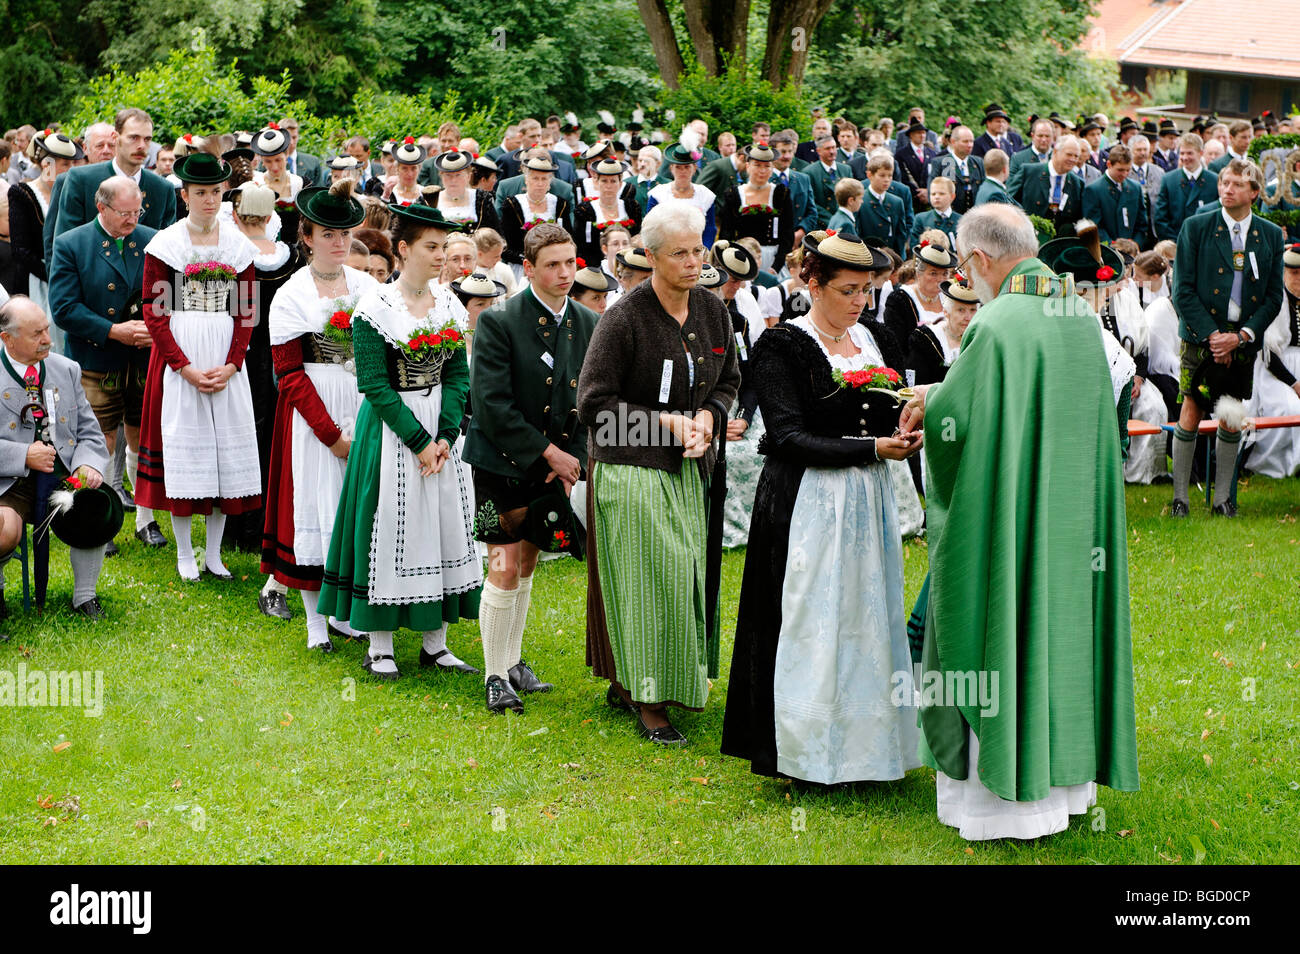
x=509, y=143
x=848, y=151
x=807, y=151
x=723, y=173
x=1239, y=135
x=311, y=169
x=1090, y=134
x=96, y=279
x=998, y=133
x=1050, y=189
x=1166, y=152
x=63, y=440
x=358, y=147
x=1041, y=137
x=72, y=202
x=1147, y=175
x=966, y=171
x=881, y=215
x=913, y=157
x=994, y=186
x=1116, y=203
x=939, y=216
x=1227, y=290
x=800, y=186
x=916, y=115
x=1185, y=190
x=823, y=174
x=524, y=439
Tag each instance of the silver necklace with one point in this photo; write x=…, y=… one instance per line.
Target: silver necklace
x=417, y=292
x=199, y=229
x=836, y=338
x=326, y=276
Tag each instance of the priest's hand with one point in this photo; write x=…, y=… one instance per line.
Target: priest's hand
x=90, y=477
x=914, y=410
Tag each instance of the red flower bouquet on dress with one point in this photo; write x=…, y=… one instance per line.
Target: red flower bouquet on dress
x=429, y=341
x=757, y=209
x=882, y=393
x=208, y=286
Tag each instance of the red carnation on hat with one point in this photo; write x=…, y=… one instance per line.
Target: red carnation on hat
x=582, y=263
x=464, y=272
x=272, y=125
x=408, y=141
x=761, y=142
x=959, y=278
x=189, y=138
x=1105, y=273
x=830, y=232
x=924, y=243
x=48, y=131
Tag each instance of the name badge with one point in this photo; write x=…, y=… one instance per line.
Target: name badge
x=666, y=382
x=547, y=359
x=1065, y=197
x=1254, y=267
x=1125, y=212
x=740, y=346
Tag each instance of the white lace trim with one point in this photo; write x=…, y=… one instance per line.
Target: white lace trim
x=172, y=247
x=298, y=310
x=269, y=260
x=868, y=353
x=384, y=309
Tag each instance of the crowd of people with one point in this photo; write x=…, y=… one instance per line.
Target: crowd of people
x=405, y=377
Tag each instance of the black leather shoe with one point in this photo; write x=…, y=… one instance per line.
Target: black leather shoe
x=428, y=660
x=221, y=577
x=524, y=679
x=615, y=700
x=274, y=604
x=325, y=647
x=1225, y=509
x=110, y=549
x=501, y=697
x=664, y=735
x=128, y=501
x=367, y=665
x=91, y=609
x=1178, y=508
x=151, y=535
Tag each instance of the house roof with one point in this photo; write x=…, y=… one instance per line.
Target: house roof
x=1222, y=36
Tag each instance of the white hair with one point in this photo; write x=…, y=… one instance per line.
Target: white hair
x=999, y=230
x=668, y=218
x=653, y=152
x=112, y=188
x=1137, y=139
x=1064, y=141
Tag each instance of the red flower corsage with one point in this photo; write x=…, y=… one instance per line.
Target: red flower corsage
x=1105, y=273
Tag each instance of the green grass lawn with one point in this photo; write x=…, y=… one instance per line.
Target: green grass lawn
x=224, y=740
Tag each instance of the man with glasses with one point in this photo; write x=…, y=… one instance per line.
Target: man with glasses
x=96, y=277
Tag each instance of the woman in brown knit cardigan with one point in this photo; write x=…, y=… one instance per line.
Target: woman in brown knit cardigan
x=659, y=376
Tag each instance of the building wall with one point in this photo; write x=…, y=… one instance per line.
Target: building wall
x=1232, y=96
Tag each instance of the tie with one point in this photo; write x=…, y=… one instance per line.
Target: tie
x=962, y=166
x=1142, y=175
x=785, y=180
x=32, y=382
x=290, y=163
x=1056, y=190
x=1238, y=264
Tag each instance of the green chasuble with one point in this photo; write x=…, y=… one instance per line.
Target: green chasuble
x=1028, y=556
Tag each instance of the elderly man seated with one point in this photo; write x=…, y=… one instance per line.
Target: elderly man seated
x=46, y=427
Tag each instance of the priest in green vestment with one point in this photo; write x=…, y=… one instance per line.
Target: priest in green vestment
x=1026, y=655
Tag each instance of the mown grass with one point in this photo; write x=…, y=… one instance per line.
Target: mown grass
x=224, y=740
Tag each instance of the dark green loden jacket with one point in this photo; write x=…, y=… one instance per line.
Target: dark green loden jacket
x=522, y=404
x=1203, y=279
x=72, y=202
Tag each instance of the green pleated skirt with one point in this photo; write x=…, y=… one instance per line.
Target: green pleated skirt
x=651, y=528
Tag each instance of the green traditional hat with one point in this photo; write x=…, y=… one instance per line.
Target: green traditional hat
x=1084, y=257
x=418, y=213
x=202, y=168
x=93, y=519
x=686, y=151
x=734, y=261
x=326, y=208
x=847, y=250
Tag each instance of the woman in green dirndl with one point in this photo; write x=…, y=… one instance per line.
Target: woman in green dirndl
x=401, y=555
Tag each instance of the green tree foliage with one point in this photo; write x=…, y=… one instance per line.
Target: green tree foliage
x=45, y=58
x=734, y=102
x=879, y=57
x=382, y=116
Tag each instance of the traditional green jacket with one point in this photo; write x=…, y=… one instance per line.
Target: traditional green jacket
x=1119, y=209
x=1180, y=198
x=1028, y=555
x=930, y=219
x=72, y=202
x=823, y=188
x=524, y=382
x=1203, y=279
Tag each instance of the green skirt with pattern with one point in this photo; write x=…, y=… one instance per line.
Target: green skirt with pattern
x=651, y=527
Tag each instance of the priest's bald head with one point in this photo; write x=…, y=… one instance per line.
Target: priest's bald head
x=994, y=238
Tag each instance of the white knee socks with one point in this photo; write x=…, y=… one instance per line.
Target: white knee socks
x=495, y=622
x=216, y=527
x=185, y=564
x=316, y=632
x=381, y=644
x=274, y=586
x=523, y=595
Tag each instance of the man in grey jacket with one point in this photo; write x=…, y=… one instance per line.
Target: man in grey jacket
x=46, y=426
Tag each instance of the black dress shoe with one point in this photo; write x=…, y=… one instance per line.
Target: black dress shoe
x=501, y=697
x=367, y=665
x=615, y=700
x=274, y=604
x=110, y=549
x=524, y=679
x=431, y=659
x=325, y=647
x=150, y=535
x=1225, y=509
x=1178, y=508
x=128, y=501
x=664, y=735
x=91, y=609
x=222, y=577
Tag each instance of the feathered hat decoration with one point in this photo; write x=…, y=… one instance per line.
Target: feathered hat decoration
x=690, y=141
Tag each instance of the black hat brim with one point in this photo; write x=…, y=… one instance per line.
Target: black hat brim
x=94, y=518
x=319, y=207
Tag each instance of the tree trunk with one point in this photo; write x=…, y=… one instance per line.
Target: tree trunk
x=790, y=26
x=718, y=31
x=663, y=38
